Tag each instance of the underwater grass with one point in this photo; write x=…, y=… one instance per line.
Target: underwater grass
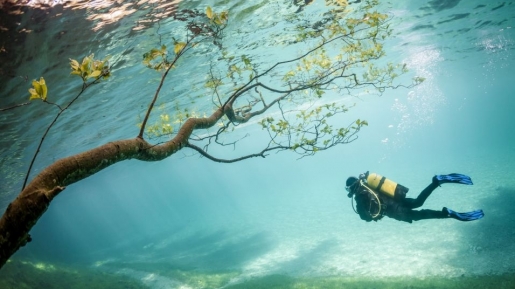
x=28, y=275
x=505, y=281
x=185, y=275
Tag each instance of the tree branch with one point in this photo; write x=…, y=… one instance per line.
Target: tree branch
x=61, y=110
x=156, y=95
x=218, y=160
x=14, y=106
x=22, y=214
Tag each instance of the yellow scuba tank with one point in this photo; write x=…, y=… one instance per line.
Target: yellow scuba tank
x=385, y=186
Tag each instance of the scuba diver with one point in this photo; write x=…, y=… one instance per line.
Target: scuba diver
x=377, y=196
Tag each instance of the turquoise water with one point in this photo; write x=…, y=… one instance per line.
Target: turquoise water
x=278, y=216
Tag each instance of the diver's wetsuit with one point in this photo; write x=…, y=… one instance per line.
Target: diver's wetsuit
x=402, y=210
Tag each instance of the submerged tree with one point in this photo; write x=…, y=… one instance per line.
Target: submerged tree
x=285, y=99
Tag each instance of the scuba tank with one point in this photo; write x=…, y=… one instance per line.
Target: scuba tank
x=385, y=186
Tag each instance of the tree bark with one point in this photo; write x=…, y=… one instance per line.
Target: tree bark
x=22, y=214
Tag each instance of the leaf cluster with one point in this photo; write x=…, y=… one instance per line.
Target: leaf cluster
x=157, y=58
x=168, y=123
x=161, y=128
x=346, y=48
x=217, y=18
x=91, y=68
x=39, y=89
x=239, y=70
x=310, y=131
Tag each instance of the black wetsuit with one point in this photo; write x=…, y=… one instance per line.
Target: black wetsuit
x=402, y=210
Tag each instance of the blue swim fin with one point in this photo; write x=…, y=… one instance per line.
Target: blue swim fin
x=469, y=216
x=452, y=178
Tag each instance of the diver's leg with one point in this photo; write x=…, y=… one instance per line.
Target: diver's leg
x=428, y=214
x=419, y=201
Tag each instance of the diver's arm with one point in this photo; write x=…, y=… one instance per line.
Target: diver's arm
x=362, y=202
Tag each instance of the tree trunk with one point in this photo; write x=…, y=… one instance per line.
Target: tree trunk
x=34, y=200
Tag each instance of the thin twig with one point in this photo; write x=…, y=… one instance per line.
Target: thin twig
x=15, y=106
x=156, y=95
x=84, y=87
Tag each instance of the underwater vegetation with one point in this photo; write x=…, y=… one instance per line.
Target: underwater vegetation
x=27, y=275
x=471, y=282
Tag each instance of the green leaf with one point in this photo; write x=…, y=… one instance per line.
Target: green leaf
x=419, y=79
x=245, y=60
x=224, y=16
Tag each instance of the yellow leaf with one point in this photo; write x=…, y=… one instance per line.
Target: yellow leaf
x=178, y=47
x=96, y=65
x=342, y=2
x=85, y=63
x=33, y=94
x=74, y=64
x=95, y=73
x=37, y=87
x=209, y=12
x=44, y=89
